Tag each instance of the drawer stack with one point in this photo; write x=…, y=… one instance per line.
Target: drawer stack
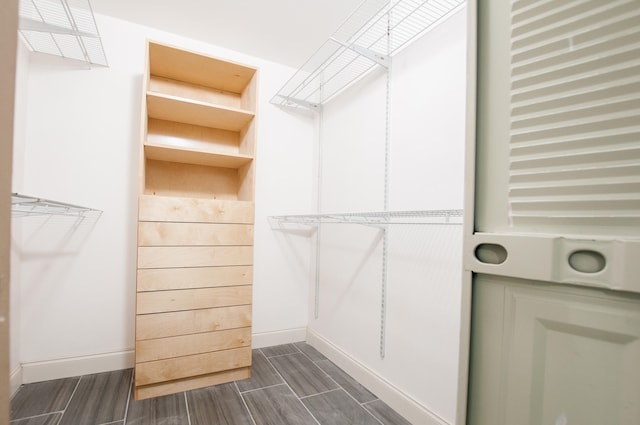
x=195, y=223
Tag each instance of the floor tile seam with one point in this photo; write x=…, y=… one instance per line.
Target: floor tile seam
x=244, y=402
x=338, y=386
x=347, y=391
x=36, y=416
x=320, y=393
x=353, y=398
x=370, y=413
x=281, y=355
x=315, y=363
x=70, y=398
x=113, y=422
x=293, y=392
x=126, y=409
x=262, y=388
x=186, y=406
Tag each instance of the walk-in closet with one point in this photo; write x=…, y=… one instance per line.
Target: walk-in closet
x=356, y=212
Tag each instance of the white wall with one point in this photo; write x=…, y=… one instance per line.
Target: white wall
x=77, y=278
x=424, y=262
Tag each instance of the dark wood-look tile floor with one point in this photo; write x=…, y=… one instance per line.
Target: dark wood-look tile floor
x=291, y=384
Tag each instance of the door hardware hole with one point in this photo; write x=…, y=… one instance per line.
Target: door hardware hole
x=587, y=261
x=491, y=253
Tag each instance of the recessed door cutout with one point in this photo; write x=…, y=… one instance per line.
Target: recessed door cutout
x=587, y=261
x=491, y=253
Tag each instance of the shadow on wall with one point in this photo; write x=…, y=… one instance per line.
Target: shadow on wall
x=49, y=245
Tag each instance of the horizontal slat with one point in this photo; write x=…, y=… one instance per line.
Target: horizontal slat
x=185, y=345
x=189, y=299
x=593, y=67
x=190, y=234
x=601, y=111
x=597, y=96
x=579, y=208
x=578, y=85
x=193, y=277
x=160, y=325
x=188, y=366
x=172, y=387
x=167, y=208
x=575, y=145
x=628, y=156
x=587, y=190
x=595, y=174
x=157, y=257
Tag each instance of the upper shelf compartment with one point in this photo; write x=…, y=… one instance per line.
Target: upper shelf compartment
x=375, y=32
x=189, y=75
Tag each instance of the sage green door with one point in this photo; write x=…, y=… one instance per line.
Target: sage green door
x=554, y=251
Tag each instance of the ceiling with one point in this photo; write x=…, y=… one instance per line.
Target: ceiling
x=283, y=31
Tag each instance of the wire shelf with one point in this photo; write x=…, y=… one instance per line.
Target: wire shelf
x=23, y=205
x=375, y=32
x=65, y=28
x=373, y=218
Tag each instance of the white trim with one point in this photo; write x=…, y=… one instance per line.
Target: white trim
x=76, y=366
x=286, y=336
x=15, y=380
x=399, y=401
x=85, y=365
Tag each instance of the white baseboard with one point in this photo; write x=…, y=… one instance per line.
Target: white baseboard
x=15, y=380
x=287, y=336
x=75, y=366
x=402, y=403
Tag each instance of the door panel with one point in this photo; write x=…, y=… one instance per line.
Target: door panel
x=552, y=256
x=553, y=354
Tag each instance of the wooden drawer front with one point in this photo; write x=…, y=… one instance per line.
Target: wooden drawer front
x=160, y=325
x=195, y=277
x=186, y=345
x=194, y=210
x=172, y=387
x=198, y=364
x=157, y=257
x=189, y=299
x=190, y=234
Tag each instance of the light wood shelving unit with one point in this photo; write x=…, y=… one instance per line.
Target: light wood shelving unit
x=195, y=222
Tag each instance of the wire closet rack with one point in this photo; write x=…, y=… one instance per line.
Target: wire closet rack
x=375, y=32
x=23, y=205
x=65, y=28
x=443, y=217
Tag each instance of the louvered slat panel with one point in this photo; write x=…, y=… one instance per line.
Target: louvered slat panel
x=575, y=117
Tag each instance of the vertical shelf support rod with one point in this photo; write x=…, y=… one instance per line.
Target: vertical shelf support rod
x=385, y=229
x=320, y=118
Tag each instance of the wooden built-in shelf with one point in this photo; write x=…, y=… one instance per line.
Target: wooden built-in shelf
x=195, y=222
x=172, y=108
x=195, y=157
